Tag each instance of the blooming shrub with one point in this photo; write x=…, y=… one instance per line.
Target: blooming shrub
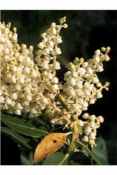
x=29, y=82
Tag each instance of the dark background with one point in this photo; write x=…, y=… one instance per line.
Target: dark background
x=88, y=30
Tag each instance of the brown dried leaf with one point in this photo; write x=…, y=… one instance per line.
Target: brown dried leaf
x=49, y=145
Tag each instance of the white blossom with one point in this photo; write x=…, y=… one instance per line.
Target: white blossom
x=29, y=83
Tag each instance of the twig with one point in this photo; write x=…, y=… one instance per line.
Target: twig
x=70, y=149
x=64, y=159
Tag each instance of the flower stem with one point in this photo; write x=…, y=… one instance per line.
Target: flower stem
x=64, y=159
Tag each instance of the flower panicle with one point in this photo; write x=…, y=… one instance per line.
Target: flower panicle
x=29, y=83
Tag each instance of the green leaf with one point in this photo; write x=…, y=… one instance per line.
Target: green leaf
x=18, y=138
x=54, y=159
x=26, y=160
x=100, y=151
x=90, y=153
x=23, y=127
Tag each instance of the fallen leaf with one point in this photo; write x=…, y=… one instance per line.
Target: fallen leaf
x=49, y=145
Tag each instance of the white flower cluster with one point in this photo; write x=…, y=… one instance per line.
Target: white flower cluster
x=82, y=86
x=29, y=83
x=26, y=86
x=47, y=56
x=89, y=127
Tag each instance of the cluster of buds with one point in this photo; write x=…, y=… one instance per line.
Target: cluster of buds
x=26, y=87
x=89, y=127
x=82, y=86
x=19, y=89
x=47, y=57
x=29, y=83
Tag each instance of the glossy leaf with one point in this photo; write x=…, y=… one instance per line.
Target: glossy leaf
x=26, y=160
x=18, y=138
x=22, y=127
x=54, y=159
x=100, y=151
x=89, y=153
